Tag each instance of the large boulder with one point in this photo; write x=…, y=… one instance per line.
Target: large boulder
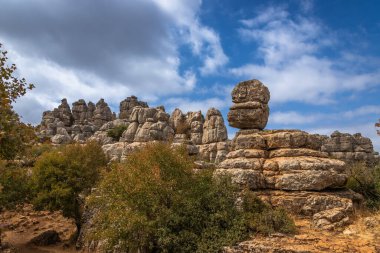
x=250, y=109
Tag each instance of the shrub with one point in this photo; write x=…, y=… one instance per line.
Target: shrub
x=154, y=202
x=365, y=180
x=117, y=132
x=60, y=175
x=15, y=187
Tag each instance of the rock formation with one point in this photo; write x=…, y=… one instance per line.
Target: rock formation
x=127, y=105
x=284, y=167
x=63, y=125
x=350, y=148
x=250, y=109
x=204, y=138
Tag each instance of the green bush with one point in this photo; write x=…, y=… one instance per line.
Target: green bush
x=60, y=175
x=154, y=202
x=365, y=180
x=117, y=132
x=15, y=187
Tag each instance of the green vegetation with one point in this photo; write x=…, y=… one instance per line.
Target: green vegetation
x=154, y=202
x=15, y=186
x=117, y=132
x=61, y=175
x=14, y=135
x=365, y=180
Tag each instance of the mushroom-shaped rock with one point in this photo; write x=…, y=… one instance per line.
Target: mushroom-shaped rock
x=250, y=109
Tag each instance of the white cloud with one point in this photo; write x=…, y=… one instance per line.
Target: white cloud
x=297, y=118
x=293, y=118
x=292, y=66
x=112, y=51
x=204, y=41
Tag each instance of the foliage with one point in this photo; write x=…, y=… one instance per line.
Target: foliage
x=32, y=153
x=15, y=186
x=154, y=202
x=263, y=219
x=365, y=180
x=117, y=132
x=60, y=175
x=13, y=133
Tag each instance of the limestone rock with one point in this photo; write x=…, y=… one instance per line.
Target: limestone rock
x=178, y=122
x=102, y=113
x=63, y=113
x=80, y=112
x=331, y=219
x=214, y=129
x=285, y=159
x=350, y=148
x=250, y=109
x=127, y=105
x=61, y=139
x=114, y=150
x=309, y=203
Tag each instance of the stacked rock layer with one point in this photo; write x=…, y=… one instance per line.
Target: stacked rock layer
x=285, y=167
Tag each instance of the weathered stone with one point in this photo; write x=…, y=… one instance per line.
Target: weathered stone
x=214, y=129
x=63, y=113
x=350, y=148
x=80, y=112
x=248, y=91
x=331, y=219
x=127, y=105
x=102, y=114
x=114, y=151
x=308, y=203
x=250, y=109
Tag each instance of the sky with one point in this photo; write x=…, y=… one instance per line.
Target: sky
x=320, y=59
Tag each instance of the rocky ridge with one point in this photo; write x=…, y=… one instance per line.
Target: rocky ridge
x=205, y=137
x=285, y=167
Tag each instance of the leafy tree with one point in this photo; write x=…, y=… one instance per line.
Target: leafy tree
x=117, y=132
x=61, y=175
x=365, y=179
x=155, y=202
x=15, y=186
x=13, y=133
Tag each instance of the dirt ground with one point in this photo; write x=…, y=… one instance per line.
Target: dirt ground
x=362, y=236
x=20, y=226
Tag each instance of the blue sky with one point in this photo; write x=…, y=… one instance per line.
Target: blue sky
x=320, y=59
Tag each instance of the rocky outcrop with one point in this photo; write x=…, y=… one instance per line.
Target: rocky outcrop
x=127, y=105
x=285, y=163
x=63, y=125
x=350, y=148
x=250, y=105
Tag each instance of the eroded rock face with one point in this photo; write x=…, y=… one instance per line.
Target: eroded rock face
x=350, y=148
x=102, y=113
x=250, y=109
x=214, y=129
x=282, y=160
x=127, y=105
x=289, y=166
x=63, y=125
